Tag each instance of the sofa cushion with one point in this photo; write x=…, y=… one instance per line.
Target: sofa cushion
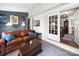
x=23, y=33
x=15, y=41
x=28, y=30
x=17, y=33
x=26, y=38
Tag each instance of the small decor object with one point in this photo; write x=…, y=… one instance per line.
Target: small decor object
x=14, y=19
x=36, y=23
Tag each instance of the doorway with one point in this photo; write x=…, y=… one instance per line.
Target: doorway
x=67, y=28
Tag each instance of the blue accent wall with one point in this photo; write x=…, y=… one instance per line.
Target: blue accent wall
x=21, y=16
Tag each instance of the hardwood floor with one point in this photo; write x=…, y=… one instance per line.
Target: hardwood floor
x=71, y=43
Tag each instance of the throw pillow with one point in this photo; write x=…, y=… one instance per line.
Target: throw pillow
x=9, y=37
x=30, y=33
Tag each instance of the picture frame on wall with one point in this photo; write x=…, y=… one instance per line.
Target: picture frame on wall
x=36, y=22
x=14, y=19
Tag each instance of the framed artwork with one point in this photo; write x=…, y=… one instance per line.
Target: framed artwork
x=14, y=19
x=36, y=22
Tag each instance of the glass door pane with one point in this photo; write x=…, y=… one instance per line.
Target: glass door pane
x=53, y=24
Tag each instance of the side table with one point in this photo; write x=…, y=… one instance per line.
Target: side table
x=38, y=35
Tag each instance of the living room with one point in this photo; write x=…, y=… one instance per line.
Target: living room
x=31, y=32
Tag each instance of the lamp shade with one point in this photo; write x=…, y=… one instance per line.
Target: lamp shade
x=23, y=24
x=9, y=24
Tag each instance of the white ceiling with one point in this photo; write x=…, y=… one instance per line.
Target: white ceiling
x=21, y=7
x=25, y=7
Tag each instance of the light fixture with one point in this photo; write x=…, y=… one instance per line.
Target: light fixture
x=9, y=26
x=64, y=15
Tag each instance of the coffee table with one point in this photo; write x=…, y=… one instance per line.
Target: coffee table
x=27, y=49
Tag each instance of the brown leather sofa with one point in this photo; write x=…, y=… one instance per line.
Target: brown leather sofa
x=20, y=37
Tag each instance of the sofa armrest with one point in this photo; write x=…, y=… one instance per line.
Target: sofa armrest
x=19, y=40
x=15, y=41
x=2, y=41
x=2, y=44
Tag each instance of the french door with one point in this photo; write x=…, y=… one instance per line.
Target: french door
x=54, y=27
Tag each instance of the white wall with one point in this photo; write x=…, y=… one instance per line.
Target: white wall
x=44, y=25
x=42, y=13
x=41, y=28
